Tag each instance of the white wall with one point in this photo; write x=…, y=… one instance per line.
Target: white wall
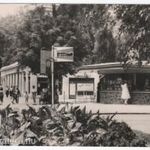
x=65, y=83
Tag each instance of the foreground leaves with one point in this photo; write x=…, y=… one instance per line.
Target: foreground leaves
x=53, y=126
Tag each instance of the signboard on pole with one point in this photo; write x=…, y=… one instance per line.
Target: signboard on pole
x=63, y=54
x=45, y=60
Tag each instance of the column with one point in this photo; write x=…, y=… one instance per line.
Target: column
x=20, y=82
x=27, y=82
x=16, y=79
x=24, y=81
x=11, y=78
x=6, y=80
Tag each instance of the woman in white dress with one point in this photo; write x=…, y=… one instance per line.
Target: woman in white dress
x=125, y=95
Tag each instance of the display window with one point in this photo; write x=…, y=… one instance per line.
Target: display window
x=80, y=87
x=136, y=82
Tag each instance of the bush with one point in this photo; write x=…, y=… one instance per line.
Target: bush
x=65, y=126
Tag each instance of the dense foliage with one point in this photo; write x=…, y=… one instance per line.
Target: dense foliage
x=98, y=33
x=81, y=26
x=64, y=126
x=134, y=28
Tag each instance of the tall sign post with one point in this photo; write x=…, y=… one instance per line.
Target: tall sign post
x=52, y=76
x=57, y=54
x=60, y=54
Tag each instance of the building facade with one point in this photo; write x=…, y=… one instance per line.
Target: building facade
x=81, y=87
x=102, y=83
x=15, y=76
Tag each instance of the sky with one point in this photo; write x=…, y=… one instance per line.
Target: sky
x=10, y=9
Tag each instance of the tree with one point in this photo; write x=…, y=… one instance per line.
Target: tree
x=87, y=28
x=95, y=24
x=42, y=30
x=134, y=28
x=105, y=46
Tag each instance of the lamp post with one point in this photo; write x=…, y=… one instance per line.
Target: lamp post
x=52, y=76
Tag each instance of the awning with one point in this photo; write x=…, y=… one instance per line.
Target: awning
x=119, y=70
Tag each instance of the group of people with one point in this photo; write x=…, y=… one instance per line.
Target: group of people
x=12, y=92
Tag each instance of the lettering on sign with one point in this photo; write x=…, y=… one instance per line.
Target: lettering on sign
x=63, y=54
x=85, y=86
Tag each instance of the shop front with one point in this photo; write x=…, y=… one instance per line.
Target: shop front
x=80, y=87
x=137, y=78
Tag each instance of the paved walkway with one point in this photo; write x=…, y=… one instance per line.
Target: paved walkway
x=113, y=108
x=136, y=116
x=103, y=108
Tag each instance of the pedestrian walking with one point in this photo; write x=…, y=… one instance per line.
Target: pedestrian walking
x=1, y=94
x=34, y=94
x=11, y=92
x=18, y=94
x=26, y=97
x=125, y=95
x=13, y=95
x=7, y=91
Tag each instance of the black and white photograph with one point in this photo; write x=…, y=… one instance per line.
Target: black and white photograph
x=74, y=74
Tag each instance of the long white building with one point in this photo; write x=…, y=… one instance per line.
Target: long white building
x=23, y=78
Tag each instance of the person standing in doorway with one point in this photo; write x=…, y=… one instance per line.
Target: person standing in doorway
x=34, y=94
x=1, y=94
x=125, y=95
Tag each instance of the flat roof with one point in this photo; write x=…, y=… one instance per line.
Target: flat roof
x=11, y=66
x=101, y=65
x=117, y=67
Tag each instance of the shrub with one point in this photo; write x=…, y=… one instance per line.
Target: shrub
x=62, y=126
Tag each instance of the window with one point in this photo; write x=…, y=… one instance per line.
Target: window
x=80, y=93
x=81, y=87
